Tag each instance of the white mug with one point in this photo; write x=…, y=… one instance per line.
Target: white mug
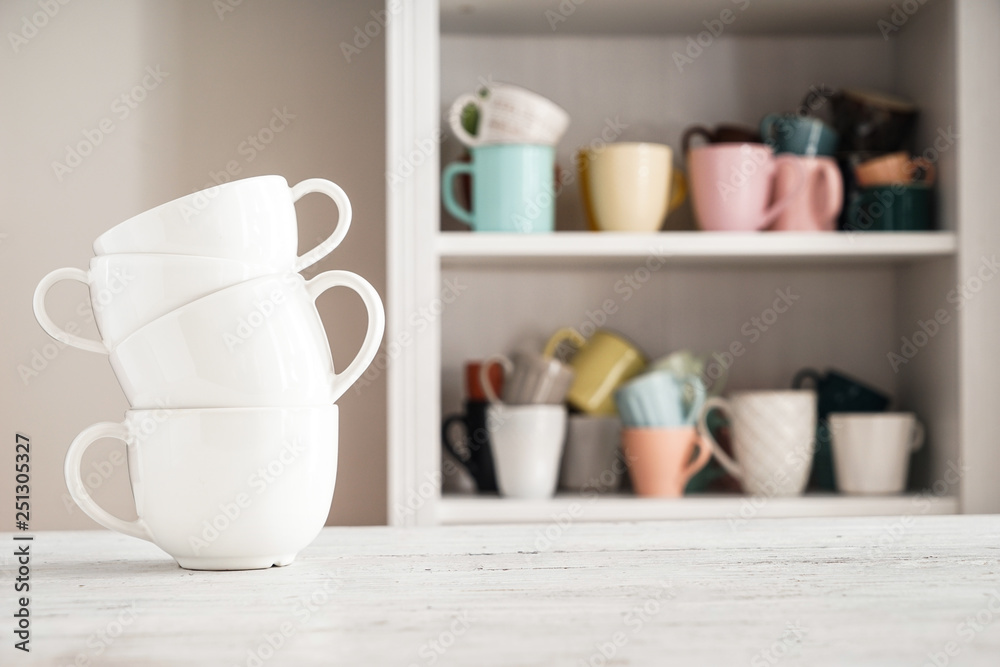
x=131, y=290
x=221, y=489
x=871, y=451
x=251, y=220
x=256, y=343
x=509, y=114
x=772, y=435
x=527, y=443
x=530, y=379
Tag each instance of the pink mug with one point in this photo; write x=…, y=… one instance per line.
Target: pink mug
x=817, y=194
x=661, y=461
x=732, y=186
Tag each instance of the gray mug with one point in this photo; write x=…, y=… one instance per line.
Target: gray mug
x=529, y=379
x=591, y=459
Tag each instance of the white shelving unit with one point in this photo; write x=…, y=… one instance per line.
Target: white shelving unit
x=861, y=293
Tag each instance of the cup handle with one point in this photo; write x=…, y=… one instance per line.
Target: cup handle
x=777, y=207
x=834, y=192
x=917, y=438
x=691, y=133
x=376, y=323
x=566, y=334
x=446, y=441
x=678, y=190
x=339, y=197
x=448, y=191
x=78, y=490
x=484, y=375
x=717, y=403
x=50, y=327
x=806, y=374
x=926, y=165
x=700, y=461
x=455, y=118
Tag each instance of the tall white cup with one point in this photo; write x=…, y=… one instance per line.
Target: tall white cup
x=871, y=451
x=527, y=443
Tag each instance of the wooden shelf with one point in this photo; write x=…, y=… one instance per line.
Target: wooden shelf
x=462, y=248
x=458, y=509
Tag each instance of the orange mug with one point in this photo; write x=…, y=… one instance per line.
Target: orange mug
x=892, y=169
x=661, y=461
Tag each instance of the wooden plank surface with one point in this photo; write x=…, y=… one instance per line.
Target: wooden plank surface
x=870, y=591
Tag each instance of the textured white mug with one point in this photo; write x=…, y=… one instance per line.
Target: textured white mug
x=772, y=434
x=871, y=451
x=509, y=114
x=221, y=489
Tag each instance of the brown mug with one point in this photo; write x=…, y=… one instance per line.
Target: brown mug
x=722, y=134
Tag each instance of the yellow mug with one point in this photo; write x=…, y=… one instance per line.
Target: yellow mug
x=600, y=363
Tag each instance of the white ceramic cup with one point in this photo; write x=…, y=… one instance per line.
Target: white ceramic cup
x=527, y=443
x=131, y=290
x=871, y=451
x=590, y=460
x=259, y=343
x=772, y=435
x=529, y=379
x=221, y=489
x=509, y=114
x=251, y=220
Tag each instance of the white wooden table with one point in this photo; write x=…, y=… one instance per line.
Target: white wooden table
x=884, y=591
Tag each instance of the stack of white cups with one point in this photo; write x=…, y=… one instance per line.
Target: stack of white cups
x=216, y=341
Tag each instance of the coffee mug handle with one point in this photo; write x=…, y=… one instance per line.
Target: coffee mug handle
x=484, y=375
x=917, y=437
x=448, y=191
x=376, y=323
x=691, y=133
x=806, y=374
x=53, y=329
x=446, y=441
x=830, y=173
x=780, y=205
x=564, y=335
x=700, y=461
x=339, y=197
x=455, y=118
x=717, y=403
x=78, y=490
x=926, y=165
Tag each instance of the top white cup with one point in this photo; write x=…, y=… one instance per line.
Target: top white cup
x=251, y=220
x=510, y=115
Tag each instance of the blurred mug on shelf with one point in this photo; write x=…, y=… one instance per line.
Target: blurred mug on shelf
x=865, y=120
x=732, y=186
x=661, y=461
x=513, y=188
x=590, y=460
x=529, y=379
x=800, y=135
x=473, y=452
x=872, y=451
x=720, y=134
x=660, y=399
x=527, y=442
x=474, y=380
x=816, y=189
x=507, y=114
x=601, y=363
x=892, y=208
x=895, y=168
x=835, y=392
x=629, y=187
x=772, y=439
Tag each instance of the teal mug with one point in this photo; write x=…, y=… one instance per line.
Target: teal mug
x=892, y=208
x=801, y=135
x=513, y=188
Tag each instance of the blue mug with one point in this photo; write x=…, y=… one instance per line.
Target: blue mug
x=660, y=399
x=801, y=135
x=513, y=188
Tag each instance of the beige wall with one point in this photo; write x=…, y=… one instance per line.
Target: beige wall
x=225, y=76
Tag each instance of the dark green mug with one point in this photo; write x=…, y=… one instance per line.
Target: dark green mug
x=801, y=135
x=892, y=208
